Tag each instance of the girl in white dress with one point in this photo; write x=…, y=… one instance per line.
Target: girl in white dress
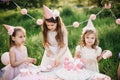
x=90, y=53
x=88, y=48
x=55, y=39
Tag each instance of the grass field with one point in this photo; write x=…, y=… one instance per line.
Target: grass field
x=108, y=33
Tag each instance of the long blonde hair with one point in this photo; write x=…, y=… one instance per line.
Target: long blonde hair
x=59, y=36
x=88, y=32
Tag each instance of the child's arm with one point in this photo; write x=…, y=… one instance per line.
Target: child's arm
x=31, y=60
x=106, y=54
x=60, y=54
x=49, y=52
x=77, y=55
x=13, y=61
x=101, y=56
x=77, y=52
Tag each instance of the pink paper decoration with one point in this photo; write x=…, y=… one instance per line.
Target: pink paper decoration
x=24, y=11
x=76, y=24
x=107, y=54
x=39, y=22
x=107, y=6
x=5, y=58
x=118, y=21
x=92, y=16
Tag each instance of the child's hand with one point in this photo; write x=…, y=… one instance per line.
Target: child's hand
x=56, y=63
x=34, y=61
x=77, y=55
x=49, y=53
x=30, y=60
x=103, y=52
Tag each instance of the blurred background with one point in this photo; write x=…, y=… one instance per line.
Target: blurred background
x=70, y=11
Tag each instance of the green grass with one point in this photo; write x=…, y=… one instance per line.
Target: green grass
x=108, y=33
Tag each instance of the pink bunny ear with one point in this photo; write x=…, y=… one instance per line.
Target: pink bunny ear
x=9, y=28
x=47, y=12
x=89, y=26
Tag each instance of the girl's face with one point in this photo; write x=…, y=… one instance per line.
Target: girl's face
x=51, y=26
x=89, y=39
x=19, y=39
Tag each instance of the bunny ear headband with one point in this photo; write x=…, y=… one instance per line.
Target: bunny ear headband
x=48, y=13
x=89, y=26
x=9, y=28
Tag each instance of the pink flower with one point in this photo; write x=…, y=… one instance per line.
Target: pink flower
x=39, y=22
x=107, y=6
x=10, y=31
x=118, y=21
x=24, y=11
x=92, y=16
x=75, y=24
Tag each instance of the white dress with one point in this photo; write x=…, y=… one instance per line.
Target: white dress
x=90, y=55
x=56, y=50
x=82, y=74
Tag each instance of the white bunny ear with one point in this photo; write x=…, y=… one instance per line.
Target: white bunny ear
x=56, y=13
x=89, y=26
